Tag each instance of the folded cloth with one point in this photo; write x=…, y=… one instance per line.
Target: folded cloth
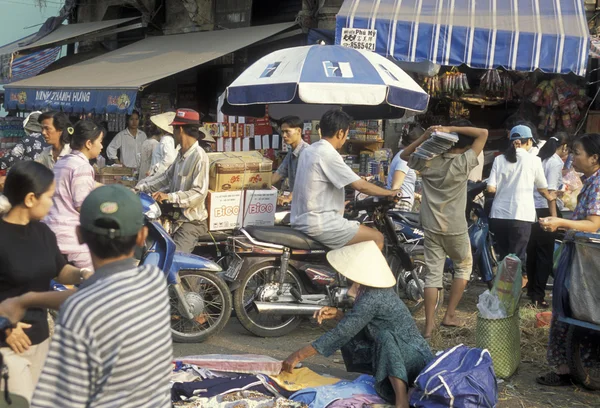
x=323, y=396
x=302, y=378
x=221, y=386
x=358, y=401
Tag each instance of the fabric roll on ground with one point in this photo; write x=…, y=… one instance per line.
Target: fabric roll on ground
x=302, y=378
x=246, y=363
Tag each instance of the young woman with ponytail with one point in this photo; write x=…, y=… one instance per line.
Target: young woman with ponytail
x=74, y=178
x=514, y=177
x=541, y=243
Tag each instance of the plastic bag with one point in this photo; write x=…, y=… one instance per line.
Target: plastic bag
x=490, y=307
x=508, y=283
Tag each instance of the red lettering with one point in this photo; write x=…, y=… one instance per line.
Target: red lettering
x=260, y=208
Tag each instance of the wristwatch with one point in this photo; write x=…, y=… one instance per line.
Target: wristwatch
x=82, y=271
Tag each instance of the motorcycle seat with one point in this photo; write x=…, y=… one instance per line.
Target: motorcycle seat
x=411, y=217
x=285, y=236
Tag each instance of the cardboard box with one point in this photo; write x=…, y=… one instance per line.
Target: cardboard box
x=115, y=171
x=232, y=171
x=127, y=181
x=260, y=207
x=225, y=210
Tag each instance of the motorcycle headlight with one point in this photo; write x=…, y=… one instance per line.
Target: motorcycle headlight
x=153, y=212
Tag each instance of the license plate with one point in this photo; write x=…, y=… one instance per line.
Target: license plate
x=234, y=269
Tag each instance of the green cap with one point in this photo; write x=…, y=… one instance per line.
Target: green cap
x=114, y=203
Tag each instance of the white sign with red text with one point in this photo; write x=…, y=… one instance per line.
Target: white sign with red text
x=225, y=210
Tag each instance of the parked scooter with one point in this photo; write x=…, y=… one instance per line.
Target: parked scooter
x=200, y=299
x=270, y=303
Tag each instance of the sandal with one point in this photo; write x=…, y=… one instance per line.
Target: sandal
x=553, y=379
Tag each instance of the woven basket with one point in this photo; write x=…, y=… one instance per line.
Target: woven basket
x=502, y=337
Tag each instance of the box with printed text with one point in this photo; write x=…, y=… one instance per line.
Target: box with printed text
x=260, y=207
x=225, y=210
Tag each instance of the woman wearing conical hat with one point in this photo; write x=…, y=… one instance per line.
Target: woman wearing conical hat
x=378, y=335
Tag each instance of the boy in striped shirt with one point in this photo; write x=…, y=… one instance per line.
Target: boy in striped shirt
x=112, y=342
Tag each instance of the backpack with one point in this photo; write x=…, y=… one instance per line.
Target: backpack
x=460, y=377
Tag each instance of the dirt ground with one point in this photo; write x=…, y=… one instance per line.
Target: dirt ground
x=520, y=390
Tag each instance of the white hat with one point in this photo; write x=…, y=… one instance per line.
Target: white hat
x=163, y=121
x=207, y=135
x=363, y=263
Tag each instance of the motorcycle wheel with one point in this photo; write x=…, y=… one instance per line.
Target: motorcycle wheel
x=262, y=325
x=583, y=355
x=210, y=297
x=408, y=291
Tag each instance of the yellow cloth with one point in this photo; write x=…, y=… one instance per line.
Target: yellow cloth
x=302, y=378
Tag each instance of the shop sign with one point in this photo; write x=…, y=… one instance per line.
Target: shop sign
x=359, y=38
x=70, y=100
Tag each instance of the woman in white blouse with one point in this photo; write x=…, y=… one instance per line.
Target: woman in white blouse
x=129, y=142
x=164, y=153
x=514, y=177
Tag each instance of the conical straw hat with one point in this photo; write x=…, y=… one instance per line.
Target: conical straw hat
x=163, y=121
x=363, y=263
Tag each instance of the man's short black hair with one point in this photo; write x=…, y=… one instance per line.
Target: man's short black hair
x=463, y=141
x=333, y=121
x=192, y=130
x=104, y=247
x=291, y=121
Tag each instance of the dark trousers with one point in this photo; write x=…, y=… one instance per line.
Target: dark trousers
x=540, y=256
x=511, y=237
x=186, y=236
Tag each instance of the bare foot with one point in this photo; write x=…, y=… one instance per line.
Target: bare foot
x=453, y=322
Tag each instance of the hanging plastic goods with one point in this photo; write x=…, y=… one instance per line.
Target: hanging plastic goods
x=561, y=103
x=496, y=85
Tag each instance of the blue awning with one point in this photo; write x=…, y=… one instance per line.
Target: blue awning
x=519, y=35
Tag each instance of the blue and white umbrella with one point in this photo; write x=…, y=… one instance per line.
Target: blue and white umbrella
x=365, y=84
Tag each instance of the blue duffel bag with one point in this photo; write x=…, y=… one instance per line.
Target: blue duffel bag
x=460, y=377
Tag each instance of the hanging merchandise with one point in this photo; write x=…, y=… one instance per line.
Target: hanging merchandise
x=450, y=84
x=496, y=84
x=458, y=110
x=561, y=104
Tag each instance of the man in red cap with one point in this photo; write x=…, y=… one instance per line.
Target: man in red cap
x=186, y=181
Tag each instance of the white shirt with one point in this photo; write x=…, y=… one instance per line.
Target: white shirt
x=553, y=171
x=515, y=183
x=146, y=157
x=163, y=155
x=321, y=176
x=131, y=148
x=46, y=158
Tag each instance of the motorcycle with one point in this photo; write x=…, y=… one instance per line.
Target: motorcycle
x=280, y=275
x=411, y=237
x=200, y=299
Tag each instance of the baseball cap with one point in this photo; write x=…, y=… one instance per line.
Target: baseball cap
x=114, y=203
x=520, y=132
x=186, y=117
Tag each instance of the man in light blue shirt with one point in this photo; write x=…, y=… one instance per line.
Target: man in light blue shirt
x=318, y=208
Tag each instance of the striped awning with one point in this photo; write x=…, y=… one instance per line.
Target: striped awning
x=18, y=67
x=519, y=35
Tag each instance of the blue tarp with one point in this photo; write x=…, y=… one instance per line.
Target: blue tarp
x=519, y=35
x=71, y=100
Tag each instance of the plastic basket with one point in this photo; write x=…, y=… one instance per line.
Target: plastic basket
x=502, y=337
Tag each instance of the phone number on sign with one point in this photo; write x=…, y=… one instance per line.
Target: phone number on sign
x=359, y=45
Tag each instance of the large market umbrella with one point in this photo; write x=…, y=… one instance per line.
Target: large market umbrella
x=306, y=81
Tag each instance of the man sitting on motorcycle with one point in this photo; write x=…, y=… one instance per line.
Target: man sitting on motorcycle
x=318, y=208
x=443, y=215
x=291, y=130
x=186, y=180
